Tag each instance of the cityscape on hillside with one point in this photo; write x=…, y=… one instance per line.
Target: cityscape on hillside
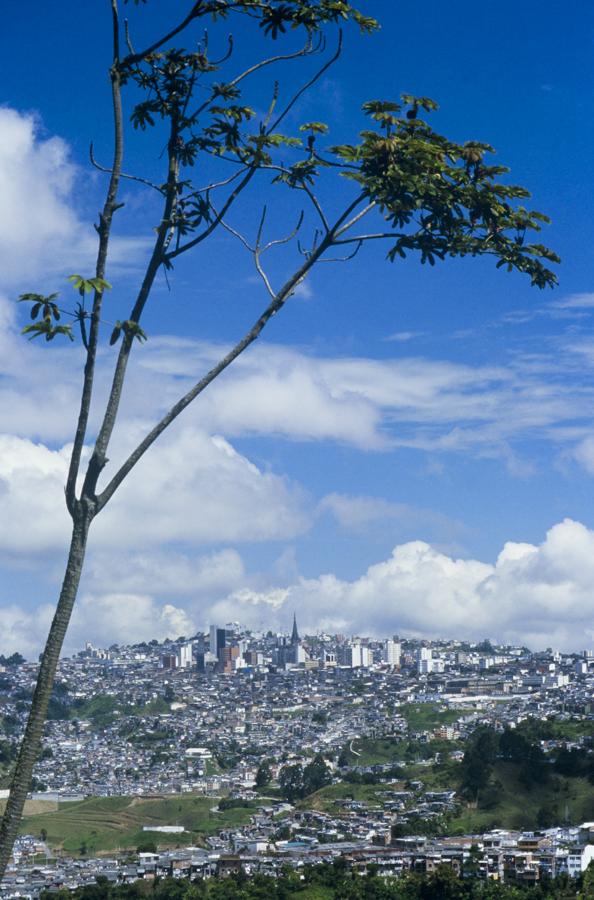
x=242, y=751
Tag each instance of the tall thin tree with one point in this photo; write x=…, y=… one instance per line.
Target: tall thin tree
x=422, y=193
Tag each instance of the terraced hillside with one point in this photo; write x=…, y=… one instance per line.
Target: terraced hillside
x=108, y=823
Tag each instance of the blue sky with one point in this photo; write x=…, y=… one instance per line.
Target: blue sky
x=397, y=426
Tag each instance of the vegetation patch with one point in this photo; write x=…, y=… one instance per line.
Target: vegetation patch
x=108, y=823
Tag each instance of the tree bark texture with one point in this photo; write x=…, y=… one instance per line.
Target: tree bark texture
x=31, y=742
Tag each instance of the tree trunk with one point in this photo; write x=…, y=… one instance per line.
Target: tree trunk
x=31, y=742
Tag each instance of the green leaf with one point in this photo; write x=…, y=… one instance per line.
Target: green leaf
x=315, y=127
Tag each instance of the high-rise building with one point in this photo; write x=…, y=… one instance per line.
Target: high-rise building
x=391, y=653
x=424, y=657
x=218, y=639
x=357, y=656
x=184, y=656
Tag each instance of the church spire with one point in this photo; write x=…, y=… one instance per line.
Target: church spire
x=295, y=639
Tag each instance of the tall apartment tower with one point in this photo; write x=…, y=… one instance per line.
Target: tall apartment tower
x=185, y=656
x=391, y=652
x=217, y=639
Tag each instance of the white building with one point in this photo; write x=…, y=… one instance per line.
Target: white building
x=424, y=658
x=391, y=653
x=357, y=656
x=184, y=657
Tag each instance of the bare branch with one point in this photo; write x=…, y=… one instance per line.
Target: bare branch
x=350, y=208
x=360, y=238
x=356, y=218
x=286, y=239
x=308, y=84
x=227, y=55
x=131, y=50
x=104, y=231
x=273, y=307
x=218, y=184
x=211, y=227
x=316, y=204
x=238, y=235
x=138, y=178
x=306, y=50
x=334, y=259
x=134, y=58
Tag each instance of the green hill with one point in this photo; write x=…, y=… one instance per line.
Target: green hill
x=506, y=802
x=108, y=823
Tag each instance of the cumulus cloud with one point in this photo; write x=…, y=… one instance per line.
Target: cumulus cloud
x=170, y=573
x=126, y=618
x=104, y=619
x=539, y=595
x=535, y=595
x=41, y=232
x=192, y=489
x=24, y=631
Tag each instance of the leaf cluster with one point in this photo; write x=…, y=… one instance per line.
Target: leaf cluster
x=442, y=198
x=45, y=313
x=276, y=16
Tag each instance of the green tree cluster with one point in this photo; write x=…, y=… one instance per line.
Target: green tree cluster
x=334, y=881
x=297, y=781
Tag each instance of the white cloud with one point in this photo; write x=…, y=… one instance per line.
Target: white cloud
x=24, y=631
x=41, y=232
x=126, y=618
x=584, y=454
x=304, y=290
x=575, y=301
x=192, y=489
x=357, y=512
x=538, y=595
x=167, y=573
x=33, y=516
x=401, y=337
x=195, y=489
x=102, y=618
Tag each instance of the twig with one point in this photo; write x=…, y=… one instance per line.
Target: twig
x=138, y=178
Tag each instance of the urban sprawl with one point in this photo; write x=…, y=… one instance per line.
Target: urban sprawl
x=321, y=746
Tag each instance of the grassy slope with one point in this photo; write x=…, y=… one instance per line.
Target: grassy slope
x=514, y=806
x=106, y=823
x=325, y=799
x=427, y=716
x=375, y=752
x=572, y=799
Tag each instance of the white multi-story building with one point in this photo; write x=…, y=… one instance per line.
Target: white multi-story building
x=424, y=661
x=184, y=656
x=358, y=656
x=391, y=652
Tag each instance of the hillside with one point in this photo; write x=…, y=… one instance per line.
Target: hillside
x=109, y=823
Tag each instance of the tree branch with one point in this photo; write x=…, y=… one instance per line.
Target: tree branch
x=356, y=218
x=273, y=307
x=104, y=229
x=98, y=458
x=134, y=58
x=251, y=171
x=138, y=178
x=308, y=84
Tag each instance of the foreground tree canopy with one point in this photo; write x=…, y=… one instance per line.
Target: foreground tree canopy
x=400, y=182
